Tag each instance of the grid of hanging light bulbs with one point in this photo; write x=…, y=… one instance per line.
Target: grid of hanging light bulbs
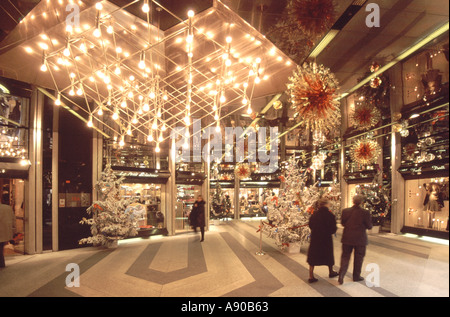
x=151, y=91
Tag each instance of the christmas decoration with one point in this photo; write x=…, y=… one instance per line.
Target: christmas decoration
x=302, y=24
x=365, y=152
x=314, y=17
x=365, y=116
x=377, y=200
x=289, y=212
x=242, y=171
x=313, y=92
x=376, y=92
x=220, y=203
x=110, y=220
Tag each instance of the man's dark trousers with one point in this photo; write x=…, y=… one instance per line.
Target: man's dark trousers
x=360, y=252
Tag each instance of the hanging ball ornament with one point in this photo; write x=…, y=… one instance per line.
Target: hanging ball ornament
x=374, y=67
x=365, y=152
x=375, y=82
x=277, y=105
x=313, y=93
x=396, y=116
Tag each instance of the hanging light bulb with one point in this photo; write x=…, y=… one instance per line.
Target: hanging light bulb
x=216, y=117
x=123, y=104
x=191, y=13
x=58, y=100
x=223, y=99
x=72, y=92
x=134, y=120
x=186, y=145
x=218, y=127
x=187, y=134
x=66, y=51
x=152, y=95
x=122, y=142
x=244, y=101
x=80, y=91
x=100, y=111
x=99, y=6
x=187, y=120
x=117, y=71
x=249, y=110
x=129, y=130
x=164, y=128
x=155, y=124
x=142, y=61
x=146, y=107
x=158, y=114
x=157, y=149
x=97, y=33
x=89, y=123
x=110, y=29
x=115, y=115
x=145, y=7
x=160, y=139
x=257, y=80
x=150, y=137
x=44, y=67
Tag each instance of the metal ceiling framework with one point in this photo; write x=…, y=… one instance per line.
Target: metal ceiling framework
x=144, y=80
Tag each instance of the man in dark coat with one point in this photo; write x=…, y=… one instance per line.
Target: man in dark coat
x=197, y=216
x=320, y=252
x=356, y=221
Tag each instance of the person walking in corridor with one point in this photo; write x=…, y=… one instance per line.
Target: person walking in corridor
x=197, y=216
x=356, y=221
x=6, y=229
x=323, y=225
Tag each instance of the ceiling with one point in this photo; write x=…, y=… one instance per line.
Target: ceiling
x=403, y=22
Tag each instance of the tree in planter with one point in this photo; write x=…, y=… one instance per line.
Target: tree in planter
x=377, y=201
x=217, y=204
x=289, y=212
x=110, y=220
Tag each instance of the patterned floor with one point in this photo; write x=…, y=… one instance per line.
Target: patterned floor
x=226, y=265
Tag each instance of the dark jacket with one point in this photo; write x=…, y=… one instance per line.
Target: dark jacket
x=323, y=226
x=356, y=221
x=197, y=215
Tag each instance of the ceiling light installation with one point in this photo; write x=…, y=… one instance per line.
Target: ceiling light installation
x=140, y=82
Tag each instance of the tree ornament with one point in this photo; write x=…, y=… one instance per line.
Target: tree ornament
x=365, y=116
x=242, y=171
x=313, y=92
x=365, y=152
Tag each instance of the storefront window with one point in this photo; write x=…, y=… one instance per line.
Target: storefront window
x=186, y=196
x=148, y=205
x=427, y=203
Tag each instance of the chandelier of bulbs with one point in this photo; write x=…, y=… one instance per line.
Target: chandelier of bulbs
x=141, y=92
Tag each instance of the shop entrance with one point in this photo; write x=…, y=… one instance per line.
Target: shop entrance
x=13, y=194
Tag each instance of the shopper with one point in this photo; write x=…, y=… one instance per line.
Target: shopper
x=356, y=221
x=323, y=226
x=7, y=227
x=197, y=216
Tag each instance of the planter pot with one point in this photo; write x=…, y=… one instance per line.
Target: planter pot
x=375, y=229
x=294, y=247
x=113, y=244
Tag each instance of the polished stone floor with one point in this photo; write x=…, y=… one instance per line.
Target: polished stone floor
x=225, y=264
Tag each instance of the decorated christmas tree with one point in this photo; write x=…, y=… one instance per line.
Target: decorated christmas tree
x=289, y=212
x=377, y=201
x=217, y=204
x=111, y=221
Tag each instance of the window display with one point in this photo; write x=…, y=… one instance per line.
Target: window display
x=427, y=203
x=148, y=205
x=186, y=196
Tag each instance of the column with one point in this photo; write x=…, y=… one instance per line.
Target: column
x=55, y=180
x=344, y=124
x=171, y=191
x=398, y=183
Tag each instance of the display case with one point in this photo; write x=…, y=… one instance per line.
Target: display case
x=148, y=206
x=427, y=204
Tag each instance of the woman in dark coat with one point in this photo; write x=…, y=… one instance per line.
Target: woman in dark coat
x=323, y=226
x=197, y=216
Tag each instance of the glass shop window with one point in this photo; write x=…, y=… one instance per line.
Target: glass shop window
x=427, y=203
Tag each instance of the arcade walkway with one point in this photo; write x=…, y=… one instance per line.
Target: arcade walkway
x=225, y=264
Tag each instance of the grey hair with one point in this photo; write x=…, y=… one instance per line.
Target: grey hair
x=359, y=199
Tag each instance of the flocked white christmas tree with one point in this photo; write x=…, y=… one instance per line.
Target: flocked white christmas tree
x=289, y=212
x=110, y=220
